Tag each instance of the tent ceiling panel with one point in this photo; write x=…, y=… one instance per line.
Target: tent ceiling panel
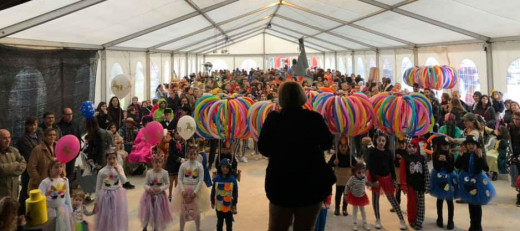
x=294, y=26
x=504, y=8
x=390, y=2
x=473, y=19
x=248, y=19
x=247, y=27
x=197, y=37
x=278, y=44
x=173, y=31
x=410, y=29
x=366, y=37
x=29, y=10
x=340, y=41
x=220, y=45
x=292, y=39
x=324, y=44
x=305, y=17
x=205, y=3
x=235, y=33
x=238, y=8
x=291, y=33
x=107, y=21
x=346, y=10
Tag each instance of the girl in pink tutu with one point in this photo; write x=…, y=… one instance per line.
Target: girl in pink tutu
x=356, y=195
x=111, y=206
x=191, y=195
x=154, y=209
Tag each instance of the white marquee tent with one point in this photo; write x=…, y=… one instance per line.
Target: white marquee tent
x=150, y=40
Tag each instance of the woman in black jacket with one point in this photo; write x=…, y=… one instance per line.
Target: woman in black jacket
x=115, y=113
x=297, y=178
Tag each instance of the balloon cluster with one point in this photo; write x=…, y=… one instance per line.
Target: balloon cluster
x=345, y=115
x=403, y=115
x=433, y=77
x=218, y=118
x=257, y=114
x=87, y=109
x=310, y=96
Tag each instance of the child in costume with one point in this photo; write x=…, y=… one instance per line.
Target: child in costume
x=226, y=153
x=111, y=206
x=342, y=164
x=176, y=157
x=321, y=222
x=400, y=153
x=80, y=209
x=415, y=182
x=356, y=195
x=190, y=198
x=443, y=179
x=381, y=173
x=154, y=208
x=475, y=187
x=224, y=195
x=56, y=189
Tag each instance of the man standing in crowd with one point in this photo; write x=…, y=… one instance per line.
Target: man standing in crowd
x=49, y=120
x=456, y=95
x=12, y=165
x=69, y=127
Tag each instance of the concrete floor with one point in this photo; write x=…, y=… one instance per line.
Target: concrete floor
x=500, y=214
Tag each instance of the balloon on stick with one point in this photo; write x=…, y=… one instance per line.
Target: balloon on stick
x=67, y=148
x=186, y=127
x=87, y=109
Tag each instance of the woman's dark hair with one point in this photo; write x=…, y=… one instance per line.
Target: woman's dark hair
x=92, y=126
x=110, y=103
x=446, y=96
x=30, y=121
x=378, y=134
x=479, y=104
x=100, y=104
x=504, y=132
x=145, y=120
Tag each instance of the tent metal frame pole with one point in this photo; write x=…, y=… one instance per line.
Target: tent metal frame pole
x=325, y=31
x=335, y=60
x=147, y=76
x=416, y=56
x=186, y=64
x=167, y=23
x=489, y=65
x=346, y=23
x=238, y=39
x=427, y=20
x=319, y=39
x=280, y=3
x=172, y=62
x=103, y=79
x=323, y=49
x=197, y=49
x=196, y=8
x=263, y=52
x=46, y=17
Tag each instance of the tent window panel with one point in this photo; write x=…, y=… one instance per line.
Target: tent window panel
x=154, y=79
x=513, y=80
x=388, y=70
x=431, y=61
x=405, y=64
x=469, y=81
x=360, y=69
x=139, y=81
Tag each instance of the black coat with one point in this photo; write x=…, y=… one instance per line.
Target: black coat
x=26, y=144
x=297, y=174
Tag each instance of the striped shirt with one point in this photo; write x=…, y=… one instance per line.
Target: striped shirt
x=356, y=186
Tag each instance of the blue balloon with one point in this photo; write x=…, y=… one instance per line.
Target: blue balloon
x=87, y=109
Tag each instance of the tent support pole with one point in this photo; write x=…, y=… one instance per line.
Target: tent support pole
x=147, y=76
x=103, y=74
x=415, y=56
x=489, y=64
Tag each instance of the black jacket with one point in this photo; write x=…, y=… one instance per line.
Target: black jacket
x=168, y=125
x=447, y=165
x=345, y=161
x=70, y=129
x=26, y=144
x=463, y=163
x=380, y=163
x=297, y=174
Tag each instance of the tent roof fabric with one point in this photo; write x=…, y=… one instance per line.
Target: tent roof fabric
x=199, y=26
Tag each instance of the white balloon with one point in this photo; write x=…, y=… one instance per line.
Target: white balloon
x=186, y=127
x=121, y=85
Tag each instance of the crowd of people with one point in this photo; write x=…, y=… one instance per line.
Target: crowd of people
x=483, y=135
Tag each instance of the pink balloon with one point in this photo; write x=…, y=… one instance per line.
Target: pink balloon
x=153, y=133
x=67, y=148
